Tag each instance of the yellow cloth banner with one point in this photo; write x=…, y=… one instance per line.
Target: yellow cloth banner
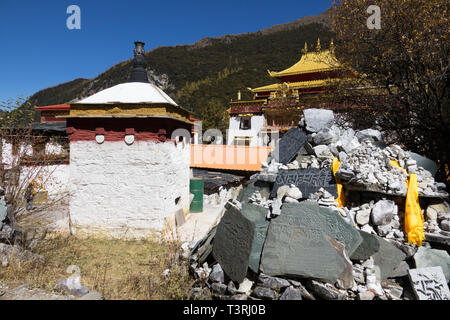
x=340, y=191
x=413, y=214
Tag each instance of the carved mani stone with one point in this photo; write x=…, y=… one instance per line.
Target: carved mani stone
x=296, y=245
x=429, y=283
x=387, y=258
x=257, y=215
x=233, y=244
x=289, y=145
x=337, y=228
x=369, y=246
x=307, y=180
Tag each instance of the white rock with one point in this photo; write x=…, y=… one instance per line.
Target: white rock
x=293, y=165
x=369, y=263
x=350, y=145
x=317, y=119
x=281, y=192
x=375, y=135
x=383, y=212
x=363, y=217
x=399, y=234
x=383, y=230
x=294, y=192
x=367, y=228
x=245, y=286
x=276, y=207
x=322, y=152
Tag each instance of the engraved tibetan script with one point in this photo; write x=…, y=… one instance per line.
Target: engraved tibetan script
x=429, y=283
x=307, y=180
x=296, y=245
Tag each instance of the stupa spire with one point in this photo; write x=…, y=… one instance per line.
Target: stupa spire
x=139, y=69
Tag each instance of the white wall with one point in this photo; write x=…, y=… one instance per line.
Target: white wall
x=256, y=124
x=126, y=190
x=6, y=154
x=55, y=178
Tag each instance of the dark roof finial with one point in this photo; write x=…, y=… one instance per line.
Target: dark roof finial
x=139, y=69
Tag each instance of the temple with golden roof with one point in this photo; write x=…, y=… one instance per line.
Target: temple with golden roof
x=275, y=107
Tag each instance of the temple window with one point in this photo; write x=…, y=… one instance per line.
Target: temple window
x=245, y=123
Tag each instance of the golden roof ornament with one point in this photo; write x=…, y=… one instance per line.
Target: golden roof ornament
x=318, y=44
x=305, y=49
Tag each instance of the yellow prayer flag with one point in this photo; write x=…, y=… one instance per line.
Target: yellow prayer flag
x=340, y=191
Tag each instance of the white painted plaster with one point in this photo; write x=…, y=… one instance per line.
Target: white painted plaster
x=256, y=124
x=127, y=190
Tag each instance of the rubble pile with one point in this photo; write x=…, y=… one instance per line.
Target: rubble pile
x=287, y=235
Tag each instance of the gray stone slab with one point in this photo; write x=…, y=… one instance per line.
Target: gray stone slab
x=296, y=245
x=425, y=163
x=288, y=146
x=179, y=217
x=401, y=270
x=367, y=248
x=204, y=247
x=233, y=244
x=429, y=283
x=307, y=180
x=425, y=257
x=361, y=187
x=261, y=186
x=324, y=291
x=264, y=293
x=438, y=238
x=272, y=282
x=388, y=258
x=337, y=228
x=257, y=215
x=291, y=294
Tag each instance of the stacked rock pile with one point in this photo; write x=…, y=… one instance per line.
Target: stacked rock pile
x=286, y=236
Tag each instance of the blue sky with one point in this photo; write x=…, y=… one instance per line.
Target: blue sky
x=38, y=51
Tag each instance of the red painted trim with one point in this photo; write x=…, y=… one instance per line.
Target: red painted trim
x=246, y=109
x=99, y=130
x=147, y=129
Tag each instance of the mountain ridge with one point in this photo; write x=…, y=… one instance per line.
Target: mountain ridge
x=211, y=68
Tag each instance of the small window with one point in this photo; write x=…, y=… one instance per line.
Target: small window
x=245, y=124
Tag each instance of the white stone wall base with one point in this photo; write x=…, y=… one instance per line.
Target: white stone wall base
x=122, y=190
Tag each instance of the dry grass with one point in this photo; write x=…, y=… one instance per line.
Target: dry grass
x=119, y=269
